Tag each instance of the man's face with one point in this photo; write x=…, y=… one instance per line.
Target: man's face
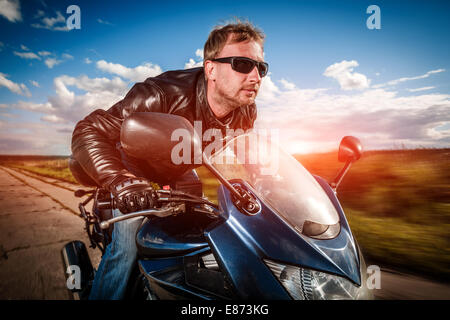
x=234, y=88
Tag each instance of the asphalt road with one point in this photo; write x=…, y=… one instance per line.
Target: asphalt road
x=38, y=217
x=36, y=220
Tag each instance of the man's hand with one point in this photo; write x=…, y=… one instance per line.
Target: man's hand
x=133, y=194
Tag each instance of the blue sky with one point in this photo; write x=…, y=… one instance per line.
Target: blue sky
x=330, y=75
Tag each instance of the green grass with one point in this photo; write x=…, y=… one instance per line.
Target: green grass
x=51, y=168
x=397, y=202
x=415, y=248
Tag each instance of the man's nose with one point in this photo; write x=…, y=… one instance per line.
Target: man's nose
x=254, y=75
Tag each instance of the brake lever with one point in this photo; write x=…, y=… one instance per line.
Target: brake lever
x=144, y=213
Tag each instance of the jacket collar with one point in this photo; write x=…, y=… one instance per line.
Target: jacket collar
x=202, y=102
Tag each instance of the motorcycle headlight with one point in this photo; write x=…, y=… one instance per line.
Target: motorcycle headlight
x=305, y=284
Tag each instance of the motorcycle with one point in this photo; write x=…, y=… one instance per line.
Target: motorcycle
x=277, y=231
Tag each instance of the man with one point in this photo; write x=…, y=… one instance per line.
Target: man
x=221, y=94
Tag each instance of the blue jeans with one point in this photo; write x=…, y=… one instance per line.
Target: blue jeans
x=114, y=271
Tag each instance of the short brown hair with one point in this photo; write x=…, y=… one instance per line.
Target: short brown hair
x=242, y=31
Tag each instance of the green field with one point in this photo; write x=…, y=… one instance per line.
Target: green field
x=397, y=202
x=47, y=166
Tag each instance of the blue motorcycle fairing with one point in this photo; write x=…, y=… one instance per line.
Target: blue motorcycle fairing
x=242, y=241
x=172, y=236
x=352, y=248
x=166, y=277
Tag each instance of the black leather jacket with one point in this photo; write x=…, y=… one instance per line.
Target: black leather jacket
x=180, y=92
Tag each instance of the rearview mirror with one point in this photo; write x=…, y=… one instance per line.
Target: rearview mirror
x=148, y=136
x=350, y=149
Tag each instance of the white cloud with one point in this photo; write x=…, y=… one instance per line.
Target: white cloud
x=20, y=89
x=104, y=22
x=57, y=23
x=23, y=137
x=61, y=112
x=8, y=115
x=396, y=81
x=35, y=107
x=53, y=119
x=44, y=53
x=343, y=73
x=314, y=120
x=10, y=9
x=87, y=61
x=67, y=107
x=137, y=74
x=437, y=134
x=51, y=62
x=24, y=48
x=27, y=55
x=199, y=53
x=268, y=91
x=194, y=64
x=67, y=56
x=420, y=89
x=287, y=85
x=92, y=85
x=35, y=83
x=39, y=13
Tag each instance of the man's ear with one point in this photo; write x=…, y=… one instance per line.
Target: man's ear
x=210, y=70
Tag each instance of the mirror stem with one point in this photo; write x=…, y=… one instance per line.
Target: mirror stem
x=224, y=181
x=341, y=175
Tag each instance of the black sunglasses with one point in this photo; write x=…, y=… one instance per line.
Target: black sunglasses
x=245, y=65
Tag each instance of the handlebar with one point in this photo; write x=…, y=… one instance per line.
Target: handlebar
x=163, y=196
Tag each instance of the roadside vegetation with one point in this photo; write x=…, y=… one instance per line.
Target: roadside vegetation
x=48, y=166
x=397, y=202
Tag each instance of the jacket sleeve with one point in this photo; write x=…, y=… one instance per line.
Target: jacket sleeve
x=95, y=137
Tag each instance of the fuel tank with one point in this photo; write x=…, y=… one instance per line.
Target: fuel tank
x=172, y=236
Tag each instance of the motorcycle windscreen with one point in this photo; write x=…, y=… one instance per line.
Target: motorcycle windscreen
x=279, y=179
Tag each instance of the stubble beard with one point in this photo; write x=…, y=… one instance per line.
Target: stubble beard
x=232, y=101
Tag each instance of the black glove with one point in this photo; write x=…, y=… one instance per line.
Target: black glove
x=133, y=194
